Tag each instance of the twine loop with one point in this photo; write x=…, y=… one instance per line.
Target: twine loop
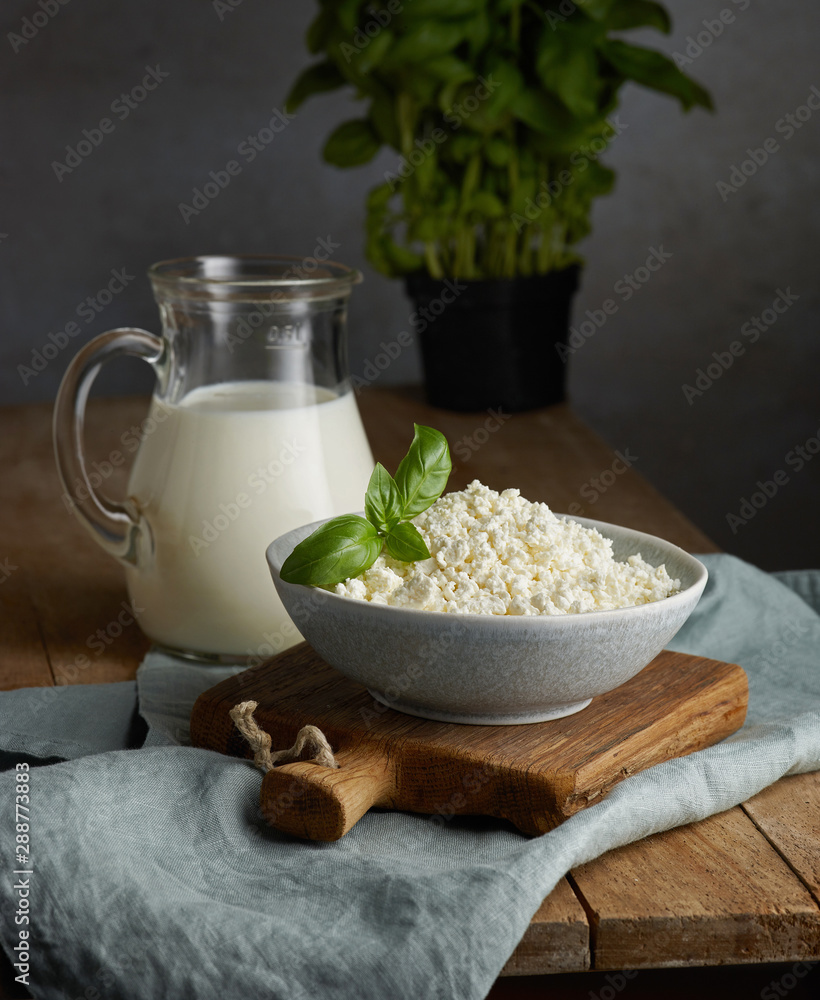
x=311, y=743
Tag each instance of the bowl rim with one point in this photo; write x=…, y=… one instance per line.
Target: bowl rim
x=683, y=597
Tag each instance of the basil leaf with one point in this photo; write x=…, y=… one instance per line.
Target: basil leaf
x=383, y=502
x=342, y=547
x=654, y=69
x=406, y=544
x=567, y=65
x=423, y=472
x=638, y=14
x=426, y=41
x=351, y=144
x=316, y=79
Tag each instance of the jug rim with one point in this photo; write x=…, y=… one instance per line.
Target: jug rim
x=221, y=273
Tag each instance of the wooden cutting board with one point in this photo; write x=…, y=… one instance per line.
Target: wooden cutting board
x=533, y=775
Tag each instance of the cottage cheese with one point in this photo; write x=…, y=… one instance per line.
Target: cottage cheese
x=498, y=554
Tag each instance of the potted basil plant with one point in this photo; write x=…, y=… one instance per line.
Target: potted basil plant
x=498, y=112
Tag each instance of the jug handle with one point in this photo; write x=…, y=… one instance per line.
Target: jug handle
x=116, y=525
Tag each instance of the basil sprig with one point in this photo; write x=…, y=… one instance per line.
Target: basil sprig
x=348, y=545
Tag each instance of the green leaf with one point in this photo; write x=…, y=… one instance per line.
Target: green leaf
x=541, y=112
x=351, y=144
x=462, y=146
x=448, y=69
x=423, y=472
x=378, y=198
x=406, y=544
x=638, y=14
x=375, y=252
x=320, y=30
x=316, y=79
x=477, y=31
x=654, y=70
x=598, y=9
x=426, y=41
x=342, y=547
x=487, y=205
x=439, y=9
x=347, y=11
x=374, y=52
x=498, y=151
x=567, y=65
x=382, y=116
x=383, y=501
x=402, y=260
x=506, y=82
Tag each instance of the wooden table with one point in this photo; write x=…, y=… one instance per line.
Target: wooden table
x=741, y=887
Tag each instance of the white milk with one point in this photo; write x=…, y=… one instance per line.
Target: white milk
x=223, y=473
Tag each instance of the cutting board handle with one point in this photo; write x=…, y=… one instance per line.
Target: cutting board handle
x=323, y=803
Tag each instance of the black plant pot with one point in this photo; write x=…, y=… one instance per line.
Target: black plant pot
x=492, y=343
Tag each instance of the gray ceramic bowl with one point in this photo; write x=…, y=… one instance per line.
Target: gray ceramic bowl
x=491, y=669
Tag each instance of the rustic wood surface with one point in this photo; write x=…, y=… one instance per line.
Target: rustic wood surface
x=535, y=776
x=59, y=589
x=557, y=940
x=696, y=894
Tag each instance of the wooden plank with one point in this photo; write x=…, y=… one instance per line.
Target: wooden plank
x=76, y=590
x=87, y=622
x=557, y=939
x=24, y=662
x=711, y=893
x=788, y=813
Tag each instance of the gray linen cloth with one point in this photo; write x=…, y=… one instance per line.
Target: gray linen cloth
x=155, y=875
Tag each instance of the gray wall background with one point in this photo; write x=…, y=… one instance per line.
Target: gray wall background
x=119, y=209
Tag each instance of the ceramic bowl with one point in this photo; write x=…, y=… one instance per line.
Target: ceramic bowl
x=491, y=669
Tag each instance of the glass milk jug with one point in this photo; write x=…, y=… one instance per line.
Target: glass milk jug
x=253, y=430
